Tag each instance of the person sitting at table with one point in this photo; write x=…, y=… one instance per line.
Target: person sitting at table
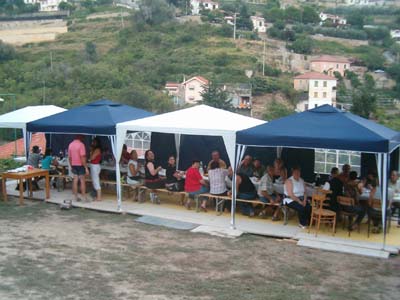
x=245, y=190
x=133, y=176
x=34, y=157
x=296, y=198
x=394, y=182
x=215, y=157
x=344, y=176
x=246, y=166
x=95, y=155
x=267, y=194
x=376, y=213
x=280, y=171
x=394, y=187
x=353, y=189
x=125, y=155
x=151, y=178
x=336, y=186
x=47, y=162
x=174, y=179
x=258, y=168
x=371, y=180
x=216, y=177
x=195, y=184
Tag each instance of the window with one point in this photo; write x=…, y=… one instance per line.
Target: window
x=325, y=83
x=324, y=94
x=315, y=94
x=337, y=66
x=306, y=106
x=326, y=159
x=139, y=141
x=344, y=67
x=316, y=83
x=191, y=87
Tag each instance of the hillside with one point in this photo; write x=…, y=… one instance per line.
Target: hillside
x=101, y=58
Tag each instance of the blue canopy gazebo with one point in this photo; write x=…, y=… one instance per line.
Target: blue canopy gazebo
x=97, y=118
x=328, y=128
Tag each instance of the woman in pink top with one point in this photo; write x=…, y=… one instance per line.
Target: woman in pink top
x=95, y=159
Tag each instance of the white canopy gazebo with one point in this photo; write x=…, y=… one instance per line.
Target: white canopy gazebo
x=197, y=120
x=19, y=118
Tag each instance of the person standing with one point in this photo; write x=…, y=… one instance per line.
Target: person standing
x=77, y=161
x=95, y=168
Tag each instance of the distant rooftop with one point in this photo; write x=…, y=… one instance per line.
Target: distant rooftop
x=330, y=58
x=315, y=75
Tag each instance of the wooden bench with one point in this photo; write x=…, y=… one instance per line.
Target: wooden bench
x=142, y=192
x=220, y=200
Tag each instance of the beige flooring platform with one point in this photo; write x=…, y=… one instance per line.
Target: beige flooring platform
x=170, y=208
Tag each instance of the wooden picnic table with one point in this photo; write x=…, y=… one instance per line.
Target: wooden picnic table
x=28, y=176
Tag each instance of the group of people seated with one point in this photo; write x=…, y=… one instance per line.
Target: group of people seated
x=348, y=184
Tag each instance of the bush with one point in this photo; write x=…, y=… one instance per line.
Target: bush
x=303, y=45
x=7, y=52
x=275, y=110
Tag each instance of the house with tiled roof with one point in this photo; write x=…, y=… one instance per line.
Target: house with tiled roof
x=315, y=89
x=189, y=91
x=330, y=64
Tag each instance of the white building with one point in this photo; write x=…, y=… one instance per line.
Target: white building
x=395, y=34
x=318, y=88
x=198, y=5
x=188, y=91
x=365, y=2
x=258, y=24
x=46, y=5
x=333, y=18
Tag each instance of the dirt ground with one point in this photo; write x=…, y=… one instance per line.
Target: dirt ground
x=23, y=32
x=46, y=253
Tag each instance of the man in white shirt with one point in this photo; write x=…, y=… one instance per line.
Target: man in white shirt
x=394, y=188
x=267, y=194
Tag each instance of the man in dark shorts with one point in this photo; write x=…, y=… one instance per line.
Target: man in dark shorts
x=77, y=160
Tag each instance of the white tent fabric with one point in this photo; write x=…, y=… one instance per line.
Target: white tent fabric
x=196, y=120
x=19, y=118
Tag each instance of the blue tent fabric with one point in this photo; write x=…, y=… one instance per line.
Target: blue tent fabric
x=96, y=118
x=322, y=127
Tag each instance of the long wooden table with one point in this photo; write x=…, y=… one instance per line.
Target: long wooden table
x=28, y=176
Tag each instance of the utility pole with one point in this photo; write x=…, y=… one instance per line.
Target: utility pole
x=51, y=61
x=122, y=20
x=44, y=93
x=234, y=26
x=263, y=65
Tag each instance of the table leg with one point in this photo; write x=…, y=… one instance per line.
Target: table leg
x=30, y=187
x=4, y=189
x=47, y=186
x=21, y=192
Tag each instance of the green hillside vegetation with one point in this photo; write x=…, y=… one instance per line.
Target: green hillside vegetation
x=99, y=58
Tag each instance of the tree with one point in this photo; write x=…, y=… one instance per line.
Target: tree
x=303, y=45
x=154, y=12
x=91, y=52
x=7, y=52
x=293, y=14
x=356, y=19
x=364, y=103
x=275, y=110
x=310, y=15
x=213, y=95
